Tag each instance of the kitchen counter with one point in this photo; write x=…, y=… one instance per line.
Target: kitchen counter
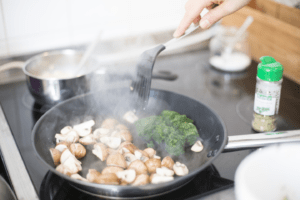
x=231, y=95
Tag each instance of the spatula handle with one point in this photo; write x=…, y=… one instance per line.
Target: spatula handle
x=241, y=142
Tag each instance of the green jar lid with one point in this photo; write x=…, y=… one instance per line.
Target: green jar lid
x=269, y=69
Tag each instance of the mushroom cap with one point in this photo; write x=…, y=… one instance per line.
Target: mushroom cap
x=55, y=156
x=128, y=147
x=116, y=160
x=150, y=151
x=109, y=179
x=93, y=175
x=128, y=175
x=197, y=147
x=64, y=170
x=141, y=179
x=121, y=127
x=111, y=170
x=152, y=164
x=100, y=151
x=109, y=123
x=87, y=140
x=138, y=166
x=78, y=150
x=180, y=169
x=167, y=162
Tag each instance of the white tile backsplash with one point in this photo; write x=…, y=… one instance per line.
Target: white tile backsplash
x=37, y=25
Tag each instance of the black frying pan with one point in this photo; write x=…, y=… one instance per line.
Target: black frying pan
x=103, y=104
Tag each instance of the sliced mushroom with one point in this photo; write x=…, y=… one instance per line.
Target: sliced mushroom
x=78, y=177
x=197, y=147
x=138, y=166
x=109, y=123
x=65, y=130
x=111, y=170
x=142, y=179
x=130, y=117
x=180, y=169
x=71, y=137
x=55, y=155
x=62, y=145
x=151, y=152
x=157, y=157
x=164, y=171
x=85, y=125
x=73, y=165
x=141, y=155
x=156, y=179
x=127, y=175
x=109, y=179
x=125, y=135
x=152, y=164
x=100, y=151
x=121, y=127
x=77, y=150
x=64, y=170
x=116, y=160
x=112, y=142
x=65, y=155
x=127, y=147
x=129, y=157
x=93, y=175
x=167, y=162
x=101, y=132
x=87, y=140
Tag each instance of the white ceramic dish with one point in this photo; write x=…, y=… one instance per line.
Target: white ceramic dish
x=272, y=173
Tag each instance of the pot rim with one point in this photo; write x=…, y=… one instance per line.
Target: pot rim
x=55, y=52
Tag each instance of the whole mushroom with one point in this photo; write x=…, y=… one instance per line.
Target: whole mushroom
x=117, y=160
x=167, y=162
x=138, y=166
x=150, y=151
x=142, y=179
x=112, y=170
x=152, y=164
x=78, y=150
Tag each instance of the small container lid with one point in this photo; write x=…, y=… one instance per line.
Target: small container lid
x=269, y=69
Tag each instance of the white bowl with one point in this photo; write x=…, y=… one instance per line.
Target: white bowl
x=272, y=173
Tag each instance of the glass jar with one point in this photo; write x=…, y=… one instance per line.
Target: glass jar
x=267, y=95
x=239, y=58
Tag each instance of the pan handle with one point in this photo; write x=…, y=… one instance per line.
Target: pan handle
x=250, y=141
x=11, y=65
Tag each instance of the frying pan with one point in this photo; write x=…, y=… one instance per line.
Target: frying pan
x=103, y=104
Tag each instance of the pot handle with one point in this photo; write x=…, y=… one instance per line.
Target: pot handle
x=250, y=141
x=11, y=65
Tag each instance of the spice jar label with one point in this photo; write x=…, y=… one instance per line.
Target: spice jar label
x=264, y=105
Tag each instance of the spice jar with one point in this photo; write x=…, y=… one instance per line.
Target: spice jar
x=267, y=94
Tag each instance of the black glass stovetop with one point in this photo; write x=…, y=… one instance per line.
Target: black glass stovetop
x=228, y=94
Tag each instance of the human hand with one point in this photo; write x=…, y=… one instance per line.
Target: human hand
x=194, y=8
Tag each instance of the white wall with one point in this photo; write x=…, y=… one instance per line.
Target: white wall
x=28, y=26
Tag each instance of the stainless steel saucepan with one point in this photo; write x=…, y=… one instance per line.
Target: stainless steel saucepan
x=50, y=76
